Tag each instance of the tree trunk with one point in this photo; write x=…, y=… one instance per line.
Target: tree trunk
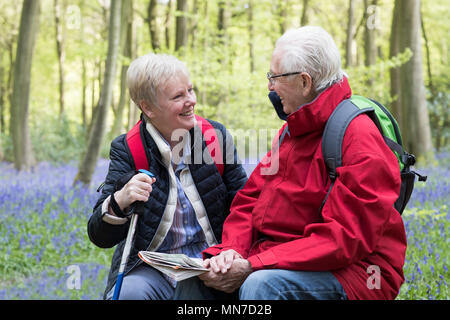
x=97, y=132
x=29, y=24
x=395, y=72
x=2, y=99
x=181, y=25
x=126, y=51
x=350, y=32
x=206, y=45
x=282, y=13
x=416, y=126
x=194, y=25
x=60, y=51
x=223, y=22
x=133, y=110
x=251, y=36
x=83, y=92
x=435, y=117
x=305, y=17
x=152, y=23
x=370, y=48
x=167, y=24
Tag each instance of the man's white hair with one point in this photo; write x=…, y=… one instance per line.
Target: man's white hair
x=312, y=50
x=148, y=74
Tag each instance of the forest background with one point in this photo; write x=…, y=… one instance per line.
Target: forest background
x=63, y=63
x=401, y=61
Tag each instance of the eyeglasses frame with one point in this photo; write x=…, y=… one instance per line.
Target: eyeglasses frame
x=271, y=76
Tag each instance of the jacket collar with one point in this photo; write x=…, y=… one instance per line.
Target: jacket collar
x=314, y=115
x=183, y=152
x=158, y=146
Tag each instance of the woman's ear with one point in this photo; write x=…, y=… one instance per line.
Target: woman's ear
x=146, y=109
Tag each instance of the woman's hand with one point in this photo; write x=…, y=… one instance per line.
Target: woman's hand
x=137, y=189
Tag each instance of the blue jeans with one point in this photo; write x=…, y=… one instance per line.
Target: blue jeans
x=274, y=284
x=147, y=283
x=144, y=283
x=280, y=284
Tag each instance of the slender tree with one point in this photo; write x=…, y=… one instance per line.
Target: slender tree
x=350, y=33
x=395, y=72
x=282, y=13
x=370, y=48
x=167, y=20
x=181, y=39
x=126, y=47
x=29, y=24
x=59, y=8
x=305, y=13
x=370, y=27
x=193, y=29
x=97, y=132
x=251, y=36
x=223, y=21
x=409, y=86
x=152, y=23
x=2, y=98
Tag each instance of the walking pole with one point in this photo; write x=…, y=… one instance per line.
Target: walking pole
x=139, y=205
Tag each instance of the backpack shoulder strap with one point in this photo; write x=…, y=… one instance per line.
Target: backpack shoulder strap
x=212, y=142
x=334, y=132
x=333, y=137
x=134, y=141
x=136, y=146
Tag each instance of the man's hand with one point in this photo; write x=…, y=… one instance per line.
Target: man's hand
x=231, y=280
x=222, y=262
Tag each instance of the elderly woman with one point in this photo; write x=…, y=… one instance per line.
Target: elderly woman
x=188, y=201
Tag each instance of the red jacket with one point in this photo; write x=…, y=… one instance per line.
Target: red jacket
x=275, y=221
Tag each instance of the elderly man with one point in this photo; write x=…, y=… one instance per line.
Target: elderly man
x=277, y=243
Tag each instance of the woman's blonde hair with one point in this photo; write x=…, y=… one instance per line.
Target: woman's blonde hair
x=148, y=74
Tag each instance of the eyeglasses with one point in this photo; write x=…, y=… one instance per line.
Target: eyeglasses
x=271, y=76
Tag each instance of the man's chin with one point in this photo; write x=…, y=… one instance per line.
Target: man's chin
x=285, y=110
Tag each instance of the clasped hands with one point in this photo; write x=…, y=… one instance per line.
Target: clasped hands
x=228, y=271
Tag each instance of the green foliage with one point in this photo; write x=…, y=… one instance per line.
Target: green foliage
x=58, y=140
x=54, y=140
x=219, y=60
x=360, y=76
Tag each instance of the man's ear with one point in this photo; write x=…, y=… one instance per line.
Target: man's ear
x=306, y=84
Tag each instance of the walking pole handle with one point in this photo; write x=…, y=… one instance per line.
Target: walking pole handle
x=138, y=207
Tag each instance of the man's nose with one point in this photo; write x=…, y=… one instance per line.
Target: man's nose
x=270, y=86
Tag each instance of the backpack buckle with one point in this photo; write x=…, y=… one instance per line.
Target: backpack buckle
x=408, y=159
x=421, y=177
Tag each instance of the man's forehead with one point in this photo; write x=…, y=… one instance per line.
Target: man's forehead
x=275, y=62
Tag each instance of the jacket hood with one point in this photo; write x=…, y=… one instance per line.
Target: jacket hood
x=314, y=115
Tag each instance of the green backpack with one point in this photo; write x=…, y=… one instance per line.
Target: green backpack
x=334, y=132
